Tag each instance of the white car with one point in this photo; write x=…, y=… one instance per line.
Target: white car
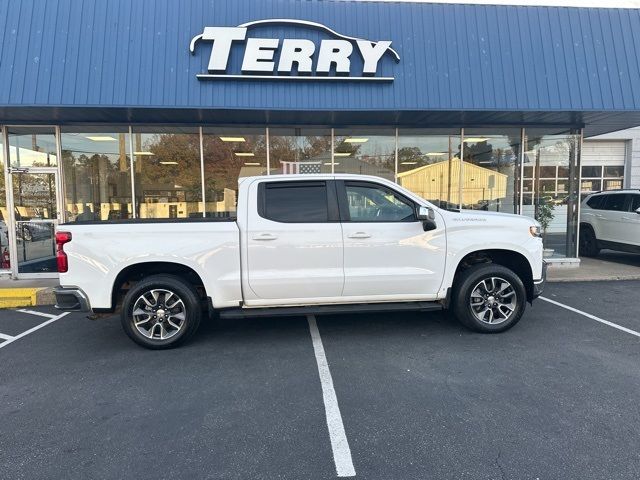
x=610, y=220
x=303, y=244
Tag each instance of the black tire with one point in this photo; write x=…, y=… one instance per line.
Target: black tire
x=588, y=242
x=156, y=288
x=470, y=281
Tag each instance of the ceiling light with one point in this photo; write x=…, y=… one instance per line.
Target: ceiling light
x=245, y=154
x=342, y=154
x=232, y=139
x=408, y=163
x=435, y=154
x=143, y=154
x=252, y=164
x=100, y=138
x=475, y=139
x=356, y=140
x=168, y=163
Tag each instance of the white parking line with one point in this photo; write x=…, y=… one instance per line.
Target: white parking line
x=592, y=317
x=31, y=330
x=33, y=312
x=337, y=435
x=5, y=337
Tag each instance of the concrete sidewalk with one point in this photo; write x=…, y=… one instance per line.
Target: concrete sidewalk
x=607, y=266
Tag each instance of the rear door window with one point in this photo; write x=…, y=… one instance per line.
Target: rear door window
x=615, y=202
x=294, y=202
x=635, y=204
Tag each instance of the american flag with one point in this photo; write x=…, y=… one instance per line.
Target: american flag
x=292, y=168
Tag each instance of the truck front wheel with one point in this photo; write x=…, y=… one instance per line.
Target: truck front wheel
x=161, y=311
x=488, y=298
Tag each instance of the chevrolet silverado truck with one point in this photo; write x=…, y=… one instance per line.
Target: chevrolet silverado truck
x=302, y=244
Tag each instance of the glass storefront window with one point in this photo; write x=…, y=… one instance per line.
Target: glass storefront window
x=299, y=150
x=230, y=153
x=613, y=184
x=97, y=173
x=32, y=147
x=615, y=171
x=428, y=164
x=166, y=166
x=4, y=214
x=365, y=151
x=490, y=177
x=550, y=159
x=592, y=171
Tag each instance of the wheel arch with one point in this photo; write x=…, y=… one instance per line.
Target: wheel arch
x=510, y=259
x=132, y=274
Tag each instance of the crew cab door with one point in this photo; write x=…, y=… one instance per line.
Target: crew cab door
x=294, y=243
x=387, y=253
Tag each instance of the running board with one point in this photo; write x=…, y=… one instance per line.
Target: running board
x=329, y=309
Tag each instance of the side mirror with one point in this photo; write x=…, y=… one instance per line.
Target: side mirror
x=638, y=210
x=428, y=218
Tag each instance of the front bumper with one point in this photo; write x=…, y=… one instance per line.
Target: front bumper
x=71, y=299
x=538, y=285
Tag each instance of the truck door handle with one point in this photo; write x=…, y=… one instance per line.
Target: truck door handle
x=359, y=235
x=265, y=237
x=599, y=215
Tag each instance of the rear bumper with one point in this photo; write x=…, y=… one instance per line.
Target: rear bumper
x=71, y=299
x=538, y=285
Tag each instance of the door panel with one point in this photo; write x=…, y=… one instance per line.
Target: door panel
x=299, y=256
x=386, y=251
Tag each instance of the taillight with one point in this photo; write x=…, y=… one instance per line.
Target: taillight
x=61, y=257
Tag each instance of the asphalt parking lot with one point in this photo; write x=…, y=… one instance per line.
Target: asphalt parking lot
x=417, y=396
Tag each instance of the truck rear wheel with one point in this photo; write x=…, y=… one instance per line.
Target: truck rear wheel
x=488, y=298
x=161, y=311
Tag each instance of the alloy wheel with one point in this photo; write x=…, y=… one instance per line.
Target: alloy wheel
x=493, y=300
x=159, y=314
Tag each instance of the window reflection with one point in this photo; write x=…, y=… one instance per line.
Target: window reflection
x=490, y=177
x=32, y=147
x=167, y=172
x=300, y=150
x=365, y=151
x=428, y=165
x=4, y=218
x=229, y=154
x=97, y=174
x=550, y=170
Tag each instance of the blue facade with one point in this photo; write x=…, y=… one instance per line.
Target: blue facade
x=128, y=60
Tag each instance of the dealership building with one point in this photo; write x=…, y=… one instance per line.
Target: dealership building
x=135, y=110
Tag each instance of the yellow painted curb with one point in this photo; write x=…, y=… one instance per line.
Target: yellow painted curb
x=18, y=297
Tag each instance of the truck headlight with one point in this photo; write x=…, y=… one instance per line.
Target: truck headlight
x=535, y=231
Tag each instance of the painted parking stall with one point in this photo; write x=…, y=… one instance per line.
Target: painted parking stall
x=25, y=322
x=416, y=396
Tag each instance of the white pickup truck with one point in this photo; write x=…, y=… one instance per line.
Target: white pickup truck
x=303, y=244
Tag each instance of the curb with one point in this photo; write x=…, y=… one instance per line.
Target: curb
x=26, y=297
x=594, y=279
